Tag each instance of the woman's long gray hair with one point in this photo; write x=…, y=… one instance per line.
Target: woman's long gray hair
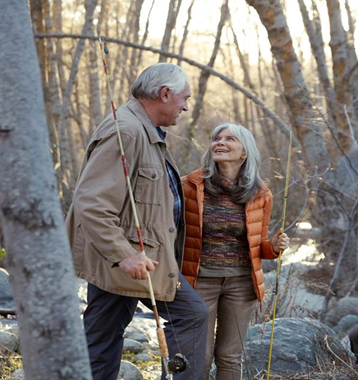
x=248, y=178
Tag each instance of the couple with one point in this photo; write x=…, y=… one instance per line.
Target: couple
x=211, y=273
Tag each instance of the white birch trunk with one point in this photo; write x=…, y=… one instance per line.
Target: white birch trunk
x=53, y=343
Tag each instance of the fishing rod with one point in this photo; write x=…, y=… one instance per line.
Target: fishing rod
x=178, y=363
x=275, y=291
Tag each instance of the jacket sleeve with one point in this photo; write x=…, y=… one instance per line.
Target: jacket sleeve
x=267, y=251
x=100, y=196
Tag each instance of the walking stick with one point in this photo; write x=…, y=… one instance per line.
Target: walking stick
x=179, y=362
x=280, y=253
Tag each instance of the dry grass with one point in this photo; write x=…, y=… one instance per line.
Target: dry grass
x=9, y=363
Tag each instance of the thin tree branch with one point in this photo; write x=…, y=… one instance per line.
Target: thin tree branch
x=269, y=113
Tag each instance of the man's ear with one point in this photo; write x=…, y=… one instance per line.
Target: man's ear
x=164, y=92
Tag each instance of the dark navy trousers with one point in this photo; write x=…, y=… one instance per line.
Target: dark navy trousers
x=107, y=315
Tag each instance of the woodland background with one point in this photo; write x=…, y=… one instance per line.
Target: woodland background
x=273, y=66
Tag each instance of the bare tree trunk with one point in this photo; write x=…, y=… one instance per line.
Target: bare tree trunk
x=351, y=19
x=314, y=32
x=145, y=35
x=122, y=61
x=279, y=123
x=136, y=27
x=53, y=343
x=204, y=76
x=352, y=75
x=95, y=97
x=304, y=116
x=247, y=81
x=57, y=24
x=67, y=176
x=37, y=17
x=338, y=46
x=77, y=115
x=186, y=31
x=173, y=11
x=52, y=97
x=103, y=15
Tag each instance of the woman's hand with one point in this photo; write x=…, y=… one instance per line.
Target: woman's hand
x=280, y=241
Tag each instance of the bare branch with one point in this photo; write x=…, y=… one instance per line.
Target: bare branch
x=268, y=112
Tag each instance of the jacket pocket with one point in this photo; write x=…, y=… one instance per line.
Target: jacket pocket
x=152, y=247
x=149, y=186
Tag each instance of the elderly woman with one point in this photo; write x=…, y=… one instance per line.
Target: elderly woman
x=227, y=211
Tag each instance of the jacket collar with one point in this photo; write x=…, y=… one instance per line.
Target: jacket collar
x=196, y=178
x=135, y=106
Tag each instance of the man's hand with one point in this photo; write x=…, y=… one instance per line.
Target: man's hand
x=138, y=266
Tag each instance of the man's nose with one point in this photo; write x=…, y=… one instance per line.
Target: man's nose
x=186, y=107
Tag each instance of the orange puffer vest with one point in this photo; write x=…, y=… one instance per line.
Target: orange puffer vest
x=258, y=212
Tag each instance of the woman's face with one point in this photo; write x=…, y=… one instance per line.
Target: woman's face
x=226, y=147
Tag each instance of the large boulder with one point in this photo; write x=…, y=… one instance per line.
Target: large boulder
x=297, y=345
x=7, y=303
x=8, y=342
x=19, y=374
x=129, y=371
x=345, y=306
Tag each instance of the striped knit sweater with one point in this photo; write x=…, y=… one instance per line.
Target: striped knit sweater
x=224, y=243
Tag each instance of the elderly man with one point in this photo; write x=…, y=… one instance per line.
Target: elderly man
x=103, y=234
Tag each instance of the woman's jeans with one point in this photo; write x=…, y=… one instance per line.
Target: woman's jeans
x=231, y=301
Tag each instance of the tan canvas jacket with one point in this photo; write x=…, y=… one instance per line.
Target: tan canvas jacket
x=100, y=221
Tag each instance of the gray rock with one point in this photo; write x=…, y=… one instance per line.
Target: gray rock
x=7, y=303
x=347, y=345
x=345, y=306
x=297, y=345
x=135, y=334
x=345, y=324
x=129, y=371
x=8, y=342
x=146, y=326
x=131, y=345
x=19, y=374
x=144, y=357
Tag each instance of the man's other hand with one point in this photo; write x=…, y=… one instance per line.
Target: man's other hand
x=138, y=266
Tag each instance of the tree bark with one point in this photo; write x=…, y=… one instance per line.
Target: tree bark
x=52, y=340
x=53, y=92
x=304, y=117
x=352, y=75
x=133, y=73
x=145, y=35
x=204, y=76
x=338, y=46
x=95, y=96
x=67, y=177
x=173, y=11
x=314, y=32
x=37, y=17
x=186, y=31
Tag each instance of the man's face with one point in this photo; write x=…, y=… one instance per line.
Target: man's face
x=173, y=105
